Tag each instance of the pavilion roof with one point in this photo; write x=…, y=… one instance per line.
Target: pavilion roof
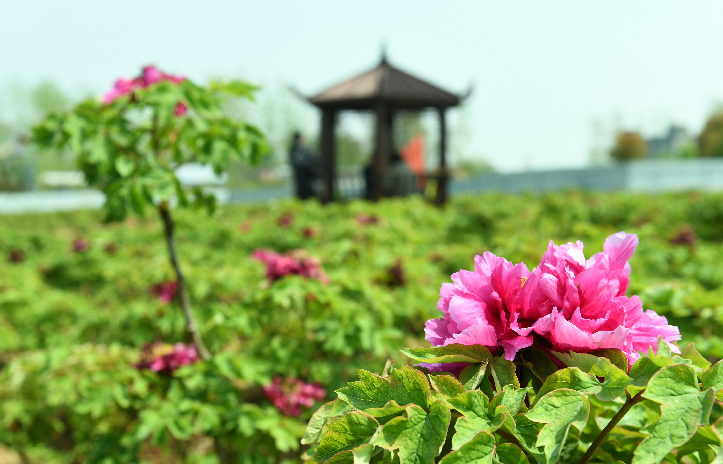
x=388, y=84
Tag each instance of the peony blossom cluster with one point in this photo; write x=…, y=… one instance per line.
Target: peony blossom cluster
x=566, y=303
x=165, y=291
x=162, y=357
x=290, y=394
x=149, y=76
x=296, y=262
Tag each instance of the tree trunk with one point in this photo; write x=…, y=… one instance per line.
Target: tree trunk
x=191, y=327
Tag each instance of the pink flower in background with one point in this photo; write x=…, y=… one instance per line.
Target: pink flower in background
x=165, y=291
x=16, y=255
x=296, y=262
x=365, y=219
x=162, y=357
x=290, y=394
x=181, y=109
x=286, y=220
x=245, y=227
x=574, y=303
x=80, y=245
x=150, y=75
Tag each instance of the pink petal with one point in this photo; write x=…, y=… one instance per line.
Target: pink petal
x=610, y=339
x=511, y=347
x=466, y=312
x=566, y=336
x=445, y=294
x=646, y=330
x=550, y=287
x=478, y=334
x=620, y=248
x=436, y=331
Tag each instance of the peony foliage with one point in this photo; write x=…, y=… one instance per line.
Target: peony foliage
x=553, y=365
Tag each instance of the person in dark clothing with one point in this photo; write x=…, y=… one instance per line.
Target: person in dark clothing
x=304, y=164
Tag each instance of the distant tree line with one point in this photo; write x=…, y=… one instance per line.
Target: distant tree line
x=630, y=145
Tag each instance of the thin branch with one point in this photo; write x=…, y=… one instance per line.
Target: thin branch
x=611, y=425
x=191, y=327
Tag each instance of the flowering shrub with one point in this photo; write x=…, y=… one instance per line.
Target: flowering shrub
x=534, y=366
x=296, y=262
x=131, y=143
x=570, y=302
x=165, y=291
x=290, y=394
x=162, y=357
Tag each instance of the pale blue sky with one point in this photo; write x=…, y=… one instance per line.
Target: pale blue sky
x=544, y=71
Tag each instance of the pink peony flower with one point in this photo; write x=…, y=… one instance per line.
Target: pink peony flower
x=80, y=245
x=296, y=262
x=286, y=220
x=162, y=357
x=149, y=75
x=16, y=255
x=165, y=291
x=181, y=109
x=289, y=394
x=366, y=219
x=569, y=302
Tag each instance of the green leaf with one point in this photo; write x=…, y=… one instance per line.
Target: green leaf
x=698, y=360
x=503, y=373
x=616, y=381
x=510, y=397
x=713, y=378
x=571, y=378
x=124, y=166
x=350, y=431
x=474, y=406
x=507, y=453
x=663, y=348
x=321, y=417
x=684, y=408
x=449, y=354
x=558, y=410
x=538, y=362
x=235, y=88
x=138, y=201
x=616, y=357
x=472, y=375
x=479, y=450
x=381, y=396
x=645, y=368
x=419, y=436
x=700, y=442
x=447, y=385
x=526, y=431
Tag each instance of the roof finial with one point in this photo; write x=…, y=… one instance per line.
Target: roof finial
x=384, y=52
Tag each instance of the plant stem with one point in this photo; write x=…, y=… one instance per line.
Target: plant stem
x=611, y=425
x=191, y=327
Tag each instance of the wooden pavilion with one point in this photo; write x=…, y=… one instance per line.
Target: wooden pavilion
x=384, y=90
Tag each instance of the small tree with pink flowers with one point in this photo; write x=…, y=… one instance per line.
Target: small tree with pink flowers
x=553, y=365
x=130, y=143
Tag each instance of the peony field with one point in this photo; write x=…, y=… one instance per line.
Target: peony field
x=293, y=298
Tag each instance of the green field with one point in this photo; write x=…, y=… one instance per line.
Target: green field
x=72, y=324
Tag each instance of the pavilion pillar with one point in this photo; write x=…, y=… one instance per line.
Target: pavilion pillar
x=443, y=179
x=328, y=157
x=382, y=153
